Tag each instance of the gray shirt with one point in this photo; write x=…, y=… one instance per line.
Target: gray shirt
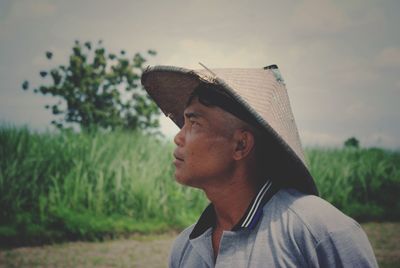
x=294, y=230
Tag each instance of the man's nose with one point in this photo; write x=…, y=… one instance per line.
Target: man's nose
x=179, y=137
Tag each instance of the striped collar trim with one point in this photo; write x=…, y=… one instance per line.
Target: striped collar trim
x=252, y=215
x=248, y=221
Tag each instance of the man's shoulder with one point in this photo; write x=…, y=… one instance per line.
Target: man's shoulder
x=183, y=236
x=180, y=244
x=320, y=231
x=311, y=212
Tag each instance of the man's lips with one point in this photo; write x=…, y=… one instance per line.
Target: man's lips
x=177, y=157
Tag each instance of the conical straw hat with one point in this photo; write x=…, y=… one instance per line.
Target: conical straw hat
x=261, y=91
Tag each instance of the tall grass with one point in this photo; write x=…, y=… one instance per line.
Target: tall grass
x=364, y=183
x=88, y=185
x=82, y=185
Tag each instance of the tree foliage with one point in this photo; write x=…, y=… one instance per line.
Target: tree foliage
x=99, y=90
x=352, y=143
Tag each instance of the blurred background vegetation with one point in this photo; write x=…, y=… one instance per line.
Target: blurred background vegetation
x=88, y=185
x=97, y=89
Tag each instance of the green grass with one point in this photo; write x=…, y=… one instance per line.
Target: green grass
x=74, y=186
x=71, y=186
x=364, y=183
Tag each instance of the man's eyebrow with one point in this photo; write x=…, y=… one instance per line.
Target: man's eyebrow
x=192, y=115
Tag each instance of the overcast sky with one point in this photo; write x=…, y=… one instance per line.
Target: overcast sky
x=340, y=59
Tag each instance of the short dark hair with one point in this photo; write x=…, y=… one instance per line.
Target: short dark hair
x=215, y=95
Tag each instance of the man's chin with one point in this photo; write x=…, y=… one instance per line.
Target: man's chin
x=184, y=180
x=180, y=179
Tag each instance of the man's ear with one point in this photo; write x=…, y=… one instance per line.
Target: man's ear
x=244, y=143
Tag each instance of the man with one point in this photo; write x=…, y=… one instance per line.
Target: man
x=239, y=143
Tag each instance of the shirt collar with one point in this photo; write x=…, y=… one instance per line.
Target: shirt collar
x=248, y=221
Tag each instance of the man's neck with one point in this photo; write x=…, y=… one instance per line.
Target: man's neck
x=231, y=199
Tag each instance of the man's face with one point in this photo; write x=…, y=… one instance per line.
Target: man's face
x=204, y=146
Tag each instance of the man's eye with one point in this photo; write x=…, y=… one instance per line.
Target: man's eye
x=193, y=123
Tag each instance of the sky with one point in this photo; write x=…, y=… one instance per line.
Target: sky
x=340, y=59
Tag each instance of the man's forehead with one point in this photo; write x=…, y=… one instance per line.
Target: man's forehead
x=212, y=114
x=197, y=109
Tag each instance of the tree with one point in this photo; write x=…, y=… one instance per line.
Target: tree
x=352, y=143
x=99, y=90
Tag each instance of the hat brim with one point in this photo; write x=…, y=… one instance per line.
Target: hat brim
x=170, y=87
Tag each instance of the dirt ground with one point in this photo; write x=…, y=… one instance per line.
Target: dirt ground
x=137, y=251
x=152, y=251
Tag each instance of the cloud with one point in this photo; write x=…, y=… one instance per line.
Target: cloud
x=351, y=72
x=315, y=138
x=60, y=56
x=24, y=108
x=326, y=18
x=32, y=9
x=357, y=110
x=216, y=54
x=319, y=16
x=380, y=139
x=18, y=12
x=168, y=128
x=389, y=57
